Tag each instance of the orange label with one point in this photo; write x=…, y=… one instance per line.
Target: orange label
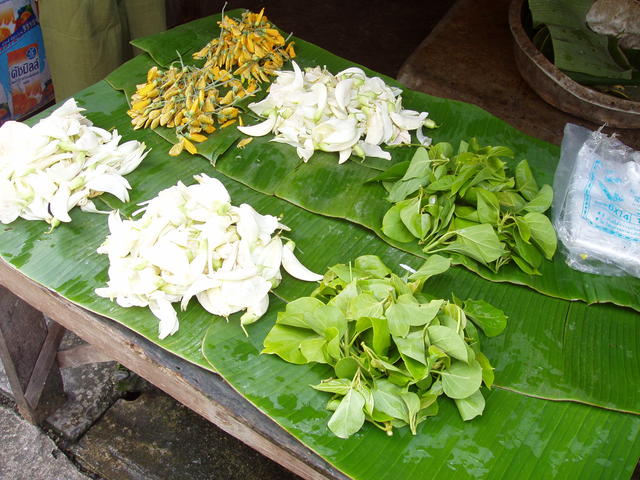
x=24, y=77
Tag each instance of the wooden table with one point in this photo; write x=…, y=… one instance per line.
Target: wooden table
x=28, y=347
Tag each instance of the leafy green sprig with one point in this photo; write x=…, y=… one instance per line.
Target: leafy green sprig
x=394, y=349
x=468, y=206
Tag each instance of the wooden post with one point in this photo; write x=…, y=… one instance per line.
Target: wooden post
x=28, y=349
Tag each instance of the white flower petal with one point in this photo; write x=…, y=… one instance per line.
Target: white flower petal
x=110, y=183
x=259, y=129
x=408, y=119
x=162, y=309
x=422, y=138
x=59, y=204
x=255, y=312
x=10, y=203
x=371, y=150
x=344, y=155
x=293, y=266
x=343, y=92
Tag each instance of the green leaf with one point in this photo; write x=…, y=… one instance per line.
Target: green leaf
x=344, y=298
x=348, y=417
x=525, y=181
x=461, y=380
x=285, y=341
x=414, y=178
x=347, y=273
x=471, y=406
x=479, y=242
x=372, y=265
x=334, y=385
x=313, y=349
x=541, y=202
x=364, y=305
x=527, y=251
x=381, y=336
x=434, y=265
x=542, y=233
x=490, y=319
x=346, y=367
x=392, y=174
x=412, y=346
x=467, y=213
x=400, y=286
x=311, y=313
x=299, y=312
x=387, y=399
x=406, y=313
x=362, y=325
x=393, y=226
x=448, y=340
x=412, y=403
x=417, y=223
x=510, y=201
x=333, y=337
x=488, y=206
x=381, y=289
x=523, y=228
x=398, y=316
x=487, y=370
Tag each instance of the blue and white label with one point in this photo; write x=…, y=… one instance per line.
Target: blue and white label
x=612, y=203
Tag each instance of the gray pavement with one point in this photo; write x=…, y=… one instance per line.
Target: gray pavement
x=116, y=426
x=27, y=453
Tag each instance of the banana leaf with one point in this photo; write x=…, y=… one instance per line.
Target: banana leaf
x=560, y=336
x=577, y=48
x=552, y=349
x=516, y=433
x=321, y=186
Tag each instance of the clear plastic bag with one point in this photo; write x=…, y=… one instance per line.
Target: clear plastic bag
x=596, y=205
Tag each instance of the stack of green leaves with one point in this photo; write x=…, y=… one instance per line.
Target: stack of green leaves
x=393, y=348
x=467, y=205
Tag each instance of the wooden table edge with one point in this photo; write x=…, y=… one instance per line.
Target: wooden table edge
x=141, y=356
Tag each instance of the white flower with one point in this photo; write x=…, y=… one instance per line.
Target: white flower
x=10, y=202
x=190, y=241
x=316, y=110
x=48, y=169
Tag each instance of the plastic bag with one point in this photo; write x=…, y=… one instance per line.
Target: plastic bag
x=596, y=207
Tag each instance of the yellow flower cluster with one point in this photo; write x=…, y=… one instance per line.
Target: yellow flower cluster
x=253, y=46
x=195, y=101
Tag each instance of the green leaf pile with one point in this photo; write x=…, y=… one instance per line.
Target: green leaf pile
x=466, y=204
x=394, y=349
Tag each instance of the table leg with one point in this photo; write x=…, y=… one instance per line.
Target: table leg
x=28, y=348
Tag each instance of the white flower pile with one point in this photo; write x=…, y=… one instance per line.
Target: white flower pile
x=60, y=162
x=191, y=241
x=346, y=113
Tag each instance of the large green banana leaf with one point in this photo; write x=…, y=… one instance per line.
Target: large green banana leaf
x=516, y=437
x=323, y=187
x=552, y=349
x=560, y=334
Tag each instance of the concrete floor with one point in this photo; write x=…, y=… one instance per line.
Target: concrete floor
x=116, y=426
